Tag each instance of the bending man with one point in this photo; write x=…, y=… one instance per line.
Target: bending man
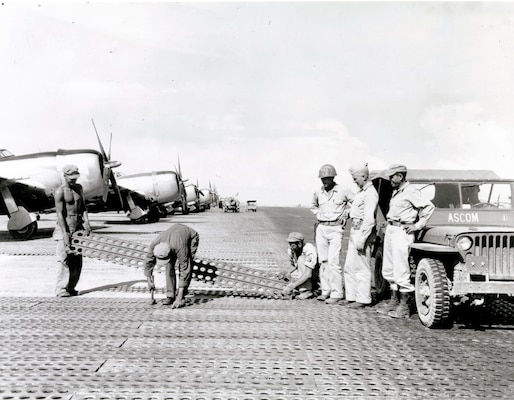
x=176, y=246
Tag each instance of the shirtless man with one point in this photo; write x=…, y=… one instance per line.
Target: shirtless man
x=71, y=217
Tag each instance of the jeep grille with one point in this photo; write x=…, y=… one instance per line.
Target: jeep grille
x=499, y=250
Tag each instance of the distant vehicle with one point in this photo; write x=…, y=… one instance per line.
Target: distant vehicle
x=251, y=205
x=230, y=204
x=465, y=254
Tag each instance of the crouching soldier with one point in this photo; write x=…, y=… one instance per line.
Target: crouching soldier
x=304, y=260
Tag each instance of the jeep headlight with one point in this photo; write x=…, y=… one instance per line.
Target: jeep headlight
x=464, y=243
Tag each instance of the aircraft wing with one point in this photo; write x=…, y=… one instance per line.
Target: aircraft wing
x=29, y=183
x=33, y=195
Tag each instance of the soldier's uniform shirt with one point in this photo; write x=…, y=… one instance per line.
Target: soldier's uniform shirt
x=307, y=260
x=407, y=206
x=331, y=205
x=362, y=210
x=184, y=243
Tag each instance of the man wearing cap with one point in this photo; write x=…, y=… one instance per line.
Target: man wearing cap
x=71, y=217
x=330, y=204
x=357, y=268
x=176, y=246
x=409, y=211
x=303, y=260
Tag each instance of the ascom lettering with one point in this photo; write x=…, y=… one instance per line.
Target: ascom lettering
x=463, y=217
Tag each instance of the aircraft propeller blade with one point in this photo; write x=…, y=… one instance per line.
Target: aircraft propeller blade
x=110, y=145
x=100, y=142
x=182, y=188
x=110, y=165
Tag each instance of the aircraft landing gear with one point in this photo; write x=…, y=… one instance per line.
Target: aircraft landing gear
x=25, y=233
x=153, y=215
x=22, y=224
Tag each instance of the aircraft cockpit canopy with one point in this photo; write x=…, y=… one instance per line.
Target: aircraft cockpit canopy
x=5, y=153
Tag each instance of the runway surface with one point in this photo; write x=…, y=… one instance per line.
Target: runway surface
x=110, y=343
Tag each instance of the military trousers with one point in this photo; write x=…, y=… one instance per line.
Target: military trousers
x=395, y=264
x=328, y=242
x=69, y=267
x=357, y=271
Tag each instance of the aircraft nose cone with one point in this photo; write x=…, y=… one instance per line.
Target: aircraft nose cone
x=113, y=164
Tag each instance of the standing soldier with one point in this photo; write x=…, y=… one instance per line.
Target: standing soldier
x=176, y=245
x=357, y=268
x=409, y=211
x=329, y=204
x=71, y=217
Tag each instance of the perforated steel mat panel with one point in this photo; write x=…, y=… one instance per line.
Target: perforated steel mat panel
x=229, y=347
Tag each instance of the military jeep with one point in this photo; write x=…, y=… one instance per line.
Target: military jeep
x=466, y=251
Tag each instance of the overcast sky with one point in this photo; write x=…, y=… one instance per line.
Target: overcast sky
x=255, y=97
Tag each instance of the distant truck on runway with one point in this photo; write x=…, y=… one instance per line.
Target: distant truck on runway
x=230, y=204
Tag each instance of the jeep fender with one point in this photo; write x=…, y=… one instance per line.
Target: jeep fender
x=433, y=248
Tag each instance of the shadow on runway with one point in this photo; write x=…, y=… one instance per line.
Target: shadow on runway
x=112, y=286
x=42, y=233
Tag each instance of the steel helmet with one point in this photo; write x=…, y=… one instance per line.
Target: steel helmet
x=326, y=171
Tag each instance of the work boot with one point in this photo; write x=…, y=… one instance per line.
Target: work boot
x=387, y=306
x=322, y=297
x=304, y=295
x=168, y=301
x=402, y=311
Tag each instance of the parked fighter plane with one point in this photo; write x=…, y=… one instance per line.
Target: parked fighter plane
x=151, y=191
x=144, y=195
x=207, y=197
x=27, y=183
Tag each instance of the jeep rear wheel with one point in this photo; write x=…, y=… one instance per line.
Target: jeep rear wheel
x=432, y=294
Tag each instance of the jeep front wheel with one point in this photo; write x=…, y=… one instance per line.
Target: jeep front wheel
x=432, y=294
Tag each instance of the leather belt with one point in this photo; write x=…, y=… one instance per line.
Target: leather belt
x=396, y=223
x=330, y=223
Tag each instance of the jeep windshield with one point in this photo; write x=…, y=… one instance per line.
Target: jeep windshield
x=468, y=195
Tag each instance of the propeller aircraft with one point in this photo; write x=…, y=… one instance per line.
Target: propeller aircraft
x=151, y=191
x=144, y=195
x=207, y=197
